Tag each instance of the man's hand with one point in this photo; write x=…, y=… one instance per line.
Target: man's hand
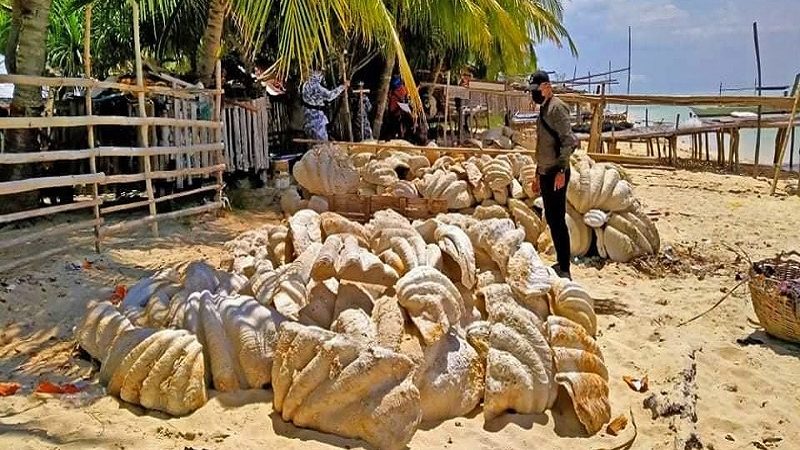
x=535, y=188
x=560, y=182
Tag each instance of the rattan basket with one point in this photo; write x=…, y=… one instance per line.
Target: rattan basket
x=778, y=314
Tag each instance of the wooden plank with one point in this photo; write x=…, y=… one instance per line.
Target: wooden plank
x=33, y=213
x=7, y=123
x=153, y=151
x=381, y=145
x=71, y=155
x=157, y=175
x=213, y=187
x=32, y=184
x=681, y=100
x=128, y=225
x=124, y=207
x=90, y=83
x=56, y=230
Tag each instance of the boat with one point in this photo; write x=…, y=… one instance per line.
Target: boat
x=721, y=111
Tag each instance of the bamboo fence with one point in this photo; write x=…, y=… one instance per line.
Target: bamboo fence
x=193, y=142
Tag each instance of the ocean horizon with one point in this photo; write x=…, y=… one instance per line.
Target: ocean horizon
x=747, y=147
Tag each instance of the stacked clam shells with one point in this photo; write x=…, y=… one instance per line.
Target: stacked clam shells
x=604, y=216
x=361, y=330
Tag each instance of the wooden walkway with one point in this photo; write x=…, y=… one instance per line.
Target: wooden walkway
x=662, y=138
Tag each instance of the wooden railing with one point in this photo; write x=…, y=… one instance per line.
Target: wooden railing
x=185, y=139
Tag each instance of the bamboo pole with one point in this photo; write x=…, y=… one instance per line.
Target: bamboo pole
x=143, y=114
x=159, y=175
x=446, y=109
x=87, y=72
x=50, y=210
x=125, y=207
x=596, y=131
x=89, y=83
x=32, y=184
x=792, y=119
x=219, y=160
x=735, y=140
x=758, y=66
x=85, y=121
x=99, y=152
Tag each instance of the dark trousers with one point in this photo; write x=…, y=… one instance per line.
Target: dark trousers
x=555, y=211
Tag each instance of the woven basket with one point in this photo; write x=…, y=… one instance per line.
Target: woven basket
x=778, y=314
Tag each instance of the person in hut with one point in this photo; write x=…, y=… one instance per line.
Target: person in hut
x=555, y=144
x=315, y=99
x=400, y=121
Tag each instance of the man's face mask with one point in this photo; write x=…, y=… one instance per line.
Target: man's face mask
x=537, y=96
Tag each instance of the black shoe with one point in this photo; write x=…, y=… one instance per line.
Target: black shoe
x=561, y=273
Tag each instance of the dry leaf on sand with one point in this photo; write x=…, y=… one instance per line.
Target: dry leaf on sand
x=7, y=389
x=617, y=425
x=637, y=384
x=46, y=387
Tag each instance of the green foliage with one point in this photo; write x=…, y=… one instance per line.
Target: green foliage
x=499, y=35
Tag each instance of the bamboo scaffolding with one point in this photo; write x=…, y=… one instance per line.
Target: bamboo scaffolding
x=143, y=114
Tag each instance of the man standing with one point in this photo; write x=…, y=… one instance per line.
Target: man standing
x=555, y=144
x=315, y=98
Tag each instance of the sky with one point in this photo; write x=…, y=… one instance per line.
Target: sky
x=681, y=46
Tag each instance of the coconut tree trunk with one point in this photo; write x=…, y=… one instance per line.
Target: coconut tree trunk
x=383, y=91
x=212, y=40
x=28, y=55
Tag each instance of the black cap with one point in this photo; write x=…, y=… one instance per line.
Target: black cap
x=538, y=77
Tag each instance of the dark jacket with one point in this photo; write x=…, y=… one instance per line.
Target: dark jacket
x=556, y=113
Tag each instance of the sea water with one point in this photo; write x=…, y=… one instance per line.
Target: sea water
x=747, y=144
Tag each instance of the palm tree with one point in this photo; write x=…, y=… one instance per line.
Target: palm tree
x=26, y=55
x=500, y=34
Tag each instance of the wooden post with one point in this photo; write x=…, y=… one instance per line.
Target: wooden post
x=758, y=129
x=87, y=72
x=791, y=151
x=735, y=148
x=674, y=139
x=143, y=113
x=220, y=159
x=447, y=109
x=630, y=45
x=348, y=128
x=790, y=126
x=596, y=131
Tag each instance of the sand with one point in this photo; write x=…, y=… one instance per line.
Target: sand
x=747, y=393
